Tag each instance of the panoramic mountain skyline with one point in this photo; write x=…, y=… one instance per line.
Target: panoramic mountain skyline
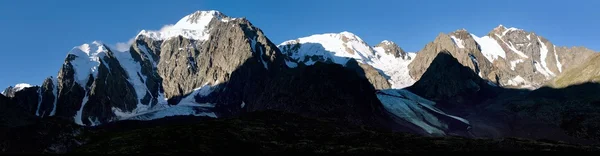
x=409, y=24
x=299, y=77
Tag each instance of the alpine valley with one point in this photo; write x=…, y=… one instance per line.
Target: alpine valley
x=216, y=84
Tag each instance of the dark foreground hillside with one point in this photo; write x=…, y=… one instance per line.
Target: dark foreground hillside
x=274, y=132
x=264, y=132
x=253, y=133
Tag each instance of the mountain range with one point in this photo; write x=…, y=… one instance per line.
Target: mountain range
x=508, y=83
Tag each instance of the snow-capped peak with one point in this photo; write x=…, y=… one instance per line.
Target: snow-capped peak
x=337, y=47
x=21, y=86
x=18, y=87
x=193, y=26
x=340, y=47
x=386, y=42
x=199, y=20
x=88, y=57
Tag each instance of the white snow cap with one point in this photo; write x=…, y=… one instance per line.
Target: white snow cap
x=193, y=26
x=386, y=42
x=340, y=47
x=87, y=61
x=19, y=87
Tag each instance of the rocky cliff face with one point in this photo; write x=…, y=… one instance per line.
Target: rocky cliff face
x=392, y=48
x=97, y=84
x=451, y=83
x=509, y=57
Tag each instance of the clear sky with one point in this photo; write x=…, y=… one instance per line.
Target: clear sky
x=35, y=35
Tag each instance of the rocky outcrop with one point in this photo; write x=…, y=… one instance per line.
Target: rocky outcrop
x=392, y=48
x=460, y=45
x=449, y=82
x=48, y=92
x=370, y=73
x=9, y=91
x=186, y=64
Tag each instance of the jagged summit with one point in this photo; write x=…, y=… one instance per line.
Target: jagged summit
x=501, y=30
x=193, y=26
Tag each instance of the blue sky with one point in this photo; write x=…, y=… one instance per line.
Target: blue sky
x=36, y=35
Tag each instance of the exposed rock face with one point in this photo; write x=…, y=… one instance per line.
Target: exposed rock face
x=48, y=92
x=9, y=91
x=392, y=48
x=451, y=83
x=187, y=64
x=370, y=73
x=461, y=46
x=513, y=57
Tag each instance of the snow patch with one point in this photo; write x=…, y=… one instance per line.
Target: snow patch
x=543, y=55
x=490, y=47
x=78, y=116
x=37, y=111
x=541, y=69
x=204, y=90
x=394, y=67
x=291, y=64
x=55, y=93
x=528, y=36
x=558, y=64
x=514, y=63
x=260, y=54
x=512, y=48
x=516, y=81
x=476, y=63
x=458, y=42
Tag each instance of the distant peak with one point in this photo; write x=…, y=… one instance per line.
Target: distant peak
x=387, y=42
x=501, y=26
x=347, y=33
x=200, y=15
x=461, y=30
x=23, y=85
x=89, y=49
x=502, y=30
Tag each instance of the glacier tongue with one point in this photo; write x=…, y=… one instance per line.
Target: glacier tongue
x=419, y=111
